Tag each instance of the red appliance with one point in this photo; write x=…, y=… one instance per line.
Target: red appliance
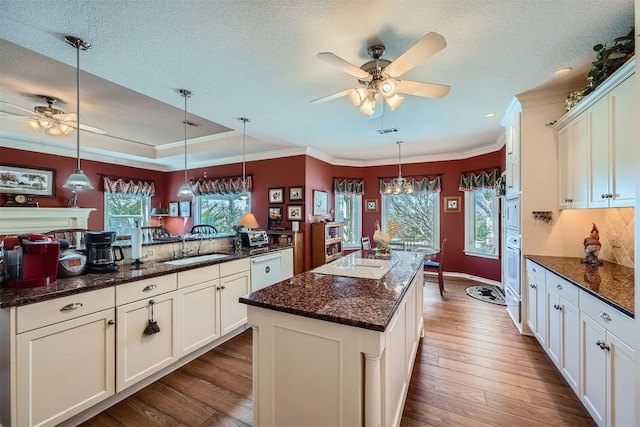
x=31, y=260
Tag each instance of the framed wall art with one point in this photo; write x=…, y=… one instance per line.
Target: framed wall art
x=320, y=202
x=275, y=213
x=276, y=195
x=185, y=209
x=296, y=193
x=173, y=208
x=294, y=213
x=39, y=182
x=452, y=204
x=371, y=205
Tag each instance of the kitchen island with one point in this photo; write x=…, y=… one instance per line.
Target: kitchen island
x=329, y=349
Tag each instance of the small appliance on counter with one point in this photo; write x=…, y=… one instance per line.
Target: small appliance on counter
x=253, y=238
x=30, y=260
x=101, y=254
x=70, y=261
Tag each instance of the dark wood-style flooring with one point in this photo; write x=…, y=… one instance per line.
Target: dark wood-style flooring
x=472, y=369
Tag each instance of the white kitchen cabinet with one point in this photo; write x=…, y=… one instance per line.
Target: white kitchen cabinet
x=198, y=321
x=512, y=140
x=232, y=313
x=512, y=176
x=612, y=148
x=64, y=366
x=573, y=162
x=286, y=263
x=536, y=302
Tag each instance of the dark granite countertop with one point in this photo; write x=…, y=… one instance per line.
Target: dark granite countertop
x=125, y=274
x=363, y=303
x=611, y=283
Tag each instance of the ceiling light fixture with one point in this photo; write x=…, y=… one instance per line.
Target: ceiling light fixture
x=489, y=115
x=399, y=185
x=78, y=180
x=185, y=189
x=244, y=195
x=562, y=71
x=47, y=121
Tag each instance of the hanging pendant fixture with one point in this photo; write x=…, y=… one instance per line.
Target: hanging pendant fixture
x=244, y=195
x=78, y=180
x=399, y=185
x=185, y=189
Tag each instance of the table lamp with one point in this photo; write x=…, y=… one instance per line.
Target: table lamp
x=160, y=212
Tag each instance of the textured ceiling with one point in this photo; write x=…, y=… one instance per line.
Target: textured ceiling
x=256, y=59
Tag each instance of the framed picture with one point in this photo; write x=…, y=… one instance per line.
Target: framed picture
x=275, y=213
x=295, y=193
x=320, y=202
x=39, y=182
x=294, y=213
x=371, y=205
x=276, y=195
x=452, y=204
x=173, y=208
x=185, y=209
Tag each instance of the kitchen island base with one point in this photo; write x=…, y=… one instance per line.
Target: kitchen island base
x=313, y=372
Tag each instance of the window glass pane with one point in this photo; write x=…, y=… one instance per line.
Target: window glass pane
x=223, y=211
x=349, y=212
x=417, y=215
x=122, y=210
x=481, y=221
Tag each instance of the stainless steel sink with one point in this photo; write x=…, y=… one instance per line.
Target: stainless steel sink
x=195, y=259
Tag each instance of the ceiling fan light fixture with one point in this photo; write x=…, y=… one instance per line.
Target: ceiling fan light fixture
x=358, y=95
x=54, y=131
x=394, y=102
x=66, y=130
x=388, y=88
x=44, y=123
x=33, y=124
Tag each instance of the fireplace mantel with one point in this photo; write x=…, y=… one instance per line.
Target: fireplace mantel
x=16, y=220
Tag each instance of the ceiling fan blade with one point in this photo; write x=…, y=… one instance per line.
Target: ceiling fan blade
x=16, y=107
x=87, y=128
x=345, y=66
x=66, y=117
x=330, y=97
x=428, y=90
x=428, y=46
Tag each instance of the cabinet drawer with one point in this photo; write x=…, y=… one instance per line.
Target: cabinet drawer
x=198, y=275
x=562, y=287
x=233, y=267
x=609, y=318
x=140, y=289
x=535, y=270
x=45, y=313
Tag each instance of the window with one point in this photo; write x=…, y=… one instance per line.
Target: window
x=349, y=212
x=122, y=210
x=223, y=211
x=418, y=215
x=481, y=222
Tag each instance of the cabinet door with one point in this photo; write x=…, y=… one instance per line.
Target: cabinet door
x=570, y=345
x=286, y=263
x=565, y=179
x=64, y=368
x=623, y=145
x=579, y=159
x=232, y=313
x=531, y=304
x=621, y=390
x=541, y=314
x=554, y=321
x=140, y=355
x=598, y=116
x=593, y=378
x=199, y=322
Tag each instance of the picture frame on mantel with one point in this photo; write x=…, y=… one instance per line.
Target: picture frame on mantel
x=36, y=182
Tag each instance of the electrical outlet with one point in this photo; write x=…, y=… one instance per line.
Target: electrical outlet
x=615, y=240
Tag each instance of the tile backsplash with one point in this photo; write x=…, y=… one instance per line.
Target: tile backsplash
x=617, y=223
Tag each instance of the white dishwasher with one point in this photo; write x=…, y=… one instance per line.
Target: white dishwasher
x=265, y=270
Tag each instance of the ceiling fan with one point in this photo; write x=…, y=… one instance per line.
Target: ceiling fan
x=55, y=121
x=380, y=78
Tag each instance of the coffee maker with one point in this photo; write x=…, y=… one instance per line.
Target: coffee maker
x=30, y=260
x=101, y=254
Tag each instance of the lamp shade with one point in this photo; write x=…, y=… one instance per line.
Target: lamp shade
x=185, y=190
x=78, y=180
x=159, y=212
x=388, y=88
x=249, y=221
x=394, y=101
x=358, y=95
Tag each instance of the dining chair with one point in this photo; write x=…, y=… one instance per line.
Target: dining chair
x=366, y=244
x=150, y=233
x=430, y=265
x=74, y=236
x=204, y=229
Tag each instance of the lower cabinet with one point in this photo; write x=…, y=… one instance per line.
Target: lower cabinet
x=536, y=304
x=232, y=313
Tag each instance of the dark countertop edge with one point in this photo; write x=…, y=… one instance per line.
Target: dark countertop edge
x=378, y=327
x=126, y=243
x=584, y=288
x=110, y=281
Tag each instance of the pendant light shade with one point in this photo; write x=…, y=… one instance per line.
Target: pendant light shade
x=185, y=189
x=78, y=180
x=399, y=185
x=244, y=195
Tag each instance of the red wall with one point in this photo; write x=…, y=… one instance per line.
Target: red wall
x=285, y=172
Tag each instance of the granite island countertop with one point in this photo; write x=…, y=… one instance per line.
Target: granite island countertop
x=126, y=273
x=363, y=303
x=611, y=283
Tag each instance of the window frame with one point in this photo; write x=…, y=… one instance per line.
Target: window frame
x=469, y=226
x=144, y=216
x=384, y=200
x=356, y=213
x=232, y=197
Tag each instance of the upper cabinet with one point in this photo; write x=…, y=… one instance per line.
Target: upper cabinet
x=511, y=123
x=596, y=146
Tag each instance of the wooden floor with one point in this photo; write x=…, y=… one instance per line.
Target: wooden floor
x=472, y=369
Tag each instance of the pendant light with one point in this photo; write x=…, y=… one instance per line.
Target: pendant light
x=78, y=180
x=185, y=189
x=399, y=185
x=244, y=195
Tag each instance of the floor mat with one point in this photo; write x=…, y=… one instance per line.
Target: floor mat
x=487, y=293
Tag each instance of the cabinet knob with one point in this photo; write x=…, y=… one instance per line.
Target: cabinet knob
x=604, y=316
x=71, y=306
x=149, y=288
x=532, y=285
x=223, y=287
x=603, y=345
x=558, y=285
x=557, y=307
x=111, y=322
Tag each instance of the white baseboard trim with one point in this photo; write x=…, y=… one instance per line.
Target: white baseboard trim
x=467, y=276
